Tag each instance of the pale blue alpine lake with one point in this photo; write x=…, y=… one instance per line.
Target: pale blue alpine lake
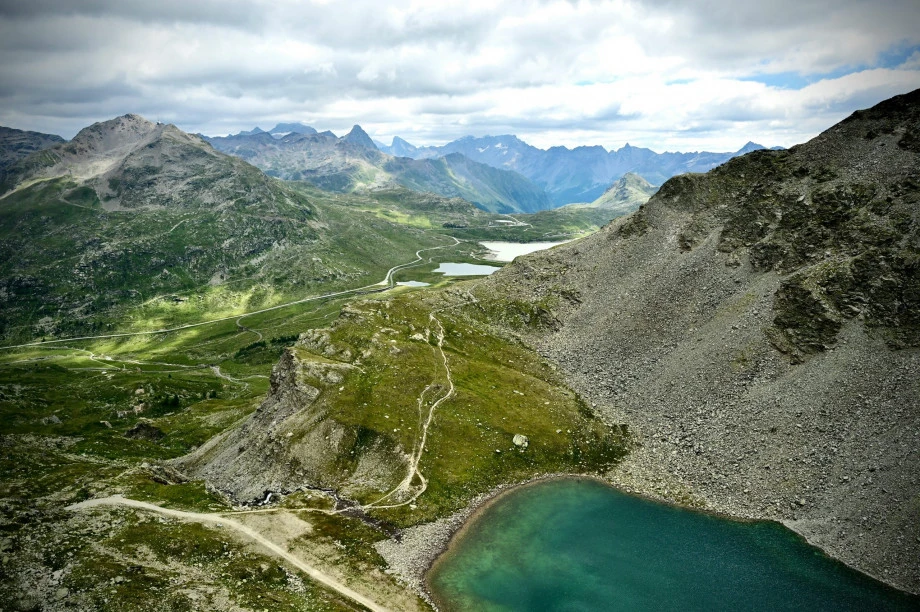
x=580, y=545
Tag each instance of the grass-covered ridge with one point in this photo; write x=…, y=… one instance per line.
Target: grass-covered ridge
x=377, y=373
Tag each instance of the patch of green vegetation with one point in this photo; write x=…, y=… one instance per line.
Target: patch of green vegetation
x=501, y=389
x=96, y=271
x=159, y=489
x=93, y=417
x=353, y=537
x=154, y=564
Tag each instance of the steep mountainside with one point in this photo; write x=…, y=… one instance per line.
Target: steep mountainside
x=758, y=327
x=394, y=407
x=353, y=162
x=17, y=144
x=625, y=195
x=400, y=148
x=454, y=175
x=571, y=175
x=129, y=162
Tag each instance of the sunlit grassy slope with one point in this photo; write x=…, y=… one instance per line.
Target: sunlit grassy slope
x=83, y=418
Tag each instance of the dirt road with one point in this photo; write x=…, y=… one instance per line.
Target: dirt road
x=228, y=523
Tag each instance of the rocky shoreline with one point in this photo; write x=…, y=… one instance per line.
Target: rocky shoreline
x=419, y=547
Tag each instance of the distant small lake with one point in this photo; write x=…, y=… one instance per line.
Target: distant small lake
x=507, y=251
x=413, y=284
x=465, y=269
x=580, y=545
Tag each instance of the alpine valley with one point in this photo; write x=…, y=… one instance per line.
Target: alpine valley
x=232, y=378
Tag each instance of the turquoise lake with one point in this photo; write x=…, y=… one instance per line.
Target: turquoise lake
x=579, y=545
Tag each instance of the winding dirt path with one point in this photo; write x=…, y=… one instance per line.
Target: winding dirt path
x=249, y=533
x=413, y=471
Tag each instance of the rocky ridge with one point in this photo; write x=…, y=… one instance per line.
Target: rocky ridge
x=130, y=162
x=291, y=439
x=756, y=327
x=17, y=144
x=353, y=163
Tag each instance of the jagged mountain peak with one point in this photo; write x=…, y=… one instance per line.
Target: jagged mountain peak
x=400, y=148
x=114, y=133
x=130, y=162
x=626, y=194
x=631, y=178
x=358, y=136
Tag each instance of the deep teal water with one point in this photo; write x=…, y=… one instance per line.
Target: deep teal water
x=573, y=545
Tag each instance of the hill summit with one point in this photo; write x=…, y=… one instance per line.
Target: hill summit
x=131, y=162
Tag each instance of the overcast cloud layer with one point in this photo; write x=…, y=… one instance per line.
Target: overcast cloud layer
x=669, y=75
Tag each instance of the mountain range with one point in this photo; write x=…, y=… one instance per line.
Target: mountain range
x=541, y=178
x=353, y=162
x=568, y=175
x=498, y=174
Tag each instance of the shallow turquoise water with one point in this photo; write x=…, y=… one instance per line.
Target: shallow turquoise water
x=573, y=545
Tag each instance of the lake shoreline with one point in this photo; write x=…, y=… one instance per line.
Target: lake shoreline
x=442, y=537
x=423, y=546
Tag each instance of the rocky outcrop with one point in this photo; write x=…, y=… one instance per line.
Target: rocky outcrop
x=757, y=329
x=291, y=442
x=18, y=144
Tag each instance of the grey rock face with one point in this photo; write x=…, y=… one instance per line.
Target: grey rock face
x=290, y=442
x=735, y=324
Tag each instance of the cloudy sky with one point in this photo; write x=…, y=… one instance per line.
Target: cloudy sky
x=665, y=74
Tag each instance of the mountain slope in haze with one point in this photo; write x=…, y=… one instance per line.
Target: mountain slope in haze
x=454, y=175
x=625, y=195
x=353, y=162
x=286, y=128
x=325, y=160
x=758, y=328
x=572, y=175
x=130, y=212
x=280, y=129
x=129, y=162
x=399, y=148
x=17, y=144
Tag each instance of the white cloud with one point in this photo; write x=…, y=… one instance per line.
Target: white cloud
x=660, y=73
